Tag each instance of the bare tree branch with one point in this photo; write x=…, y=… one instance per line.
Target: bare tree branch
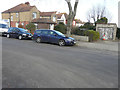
x=75, y=7
x=67, y=0
x=97, y=13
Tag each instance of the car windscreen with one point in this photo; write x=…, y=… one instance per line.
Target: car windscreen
x=23, y=30
x=59, y=33
x=4, y=26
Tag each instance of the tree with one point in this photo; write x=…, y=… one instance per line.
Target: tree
x=88, y=26
x=31, y=27
x=103, y=20
x=98, y=12
x=71, y=15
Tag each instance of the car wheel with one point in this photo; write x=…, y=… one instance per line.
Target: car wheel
x=20, y=37
x=8, y=35
x=38, y=40
x=61, y=43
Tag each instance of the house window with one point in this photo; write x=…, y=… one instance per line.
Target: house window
x=17, y=24
x=34, y=15
x=17, y=15
x=11, y=18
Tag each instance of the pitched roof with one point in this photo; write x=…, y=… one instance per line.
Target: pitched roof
x=43, y=20
x=47, y=13
x=60, y=15
x=19, y=8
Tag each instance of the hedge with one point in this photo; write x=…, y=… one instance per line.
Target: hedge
x=93, y=35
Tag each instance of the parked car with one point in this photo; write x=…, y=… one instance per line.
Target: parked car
x=3, y=28
x=19, y=33
x=52, y=36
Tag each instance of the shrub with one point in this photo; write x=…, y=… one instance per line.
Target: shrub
x=61, y=27
x=20, y=26
x=88, y=26
x=93, y=35
x=31, y=27
x=77, y=31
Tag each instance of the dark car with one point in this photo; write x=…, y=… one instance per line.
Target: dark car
x=19, y=33
x=52, y=36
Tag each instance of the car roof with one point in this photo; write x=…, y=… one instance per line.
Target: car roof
x=44, y=30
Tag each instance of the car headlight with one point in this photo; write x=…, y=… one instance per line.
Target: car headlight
x=24, y=34
x=69, y=39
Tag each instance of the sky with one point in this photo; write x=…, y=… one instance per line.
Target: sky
x=61, y=6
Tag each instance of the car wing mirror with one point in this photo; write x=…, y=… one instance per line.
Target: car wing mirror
x=55, y=34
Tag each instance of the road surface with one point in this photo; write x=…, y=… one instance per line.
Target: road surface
x=27, y=64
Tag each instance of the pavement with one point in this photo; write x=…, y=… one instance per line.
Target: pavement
x=27, y=64
x=100, y=45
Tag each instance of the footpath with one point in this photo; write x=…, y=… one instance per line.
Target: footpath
x=100, y=45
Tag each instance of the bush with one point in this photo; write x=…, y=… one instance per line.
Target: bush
x=20, y=26
x=77, y=31
x=93, y=35
x=31, y=27
x=88, y=26
x=61, y=27
x=118, y=33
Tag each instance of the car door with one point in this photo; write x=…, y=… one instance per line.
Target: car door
x=15, y=32
x=10, y=31
x=53, y=37
x=45, y=36
x=36, y=34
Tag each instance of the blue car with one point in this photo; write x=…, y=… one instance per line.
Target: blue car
x=52, y=36
x=19, y=33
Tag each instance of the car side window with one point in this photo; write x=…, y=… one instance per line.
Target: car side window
x=45, y=32
x=17, y=30
x=51, y=33
x=38, y=32
x=13, y=30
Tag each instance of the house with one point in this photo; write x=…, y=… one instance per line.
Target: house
x=49, y=15
x=62, y=17
x=21, y=14
x=47, y=20
x=24, y=14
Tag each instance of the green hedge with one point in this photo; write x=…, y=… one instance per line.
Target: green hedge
x=93, y=35
x=61, y=27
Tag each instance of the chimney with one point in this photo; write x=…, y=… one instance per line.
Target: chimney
x=27, y=3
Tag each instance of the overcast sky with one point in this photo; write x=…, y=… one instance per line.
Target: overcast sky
x=61, y=6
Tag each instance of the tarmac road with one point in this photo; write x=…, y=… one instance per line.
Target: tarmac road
x=26, y=64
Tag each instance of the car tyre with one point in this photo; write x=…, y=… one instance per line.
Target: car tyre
x=38, y=40
x=20, y=37
x=8, y=35
x=61, y=43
